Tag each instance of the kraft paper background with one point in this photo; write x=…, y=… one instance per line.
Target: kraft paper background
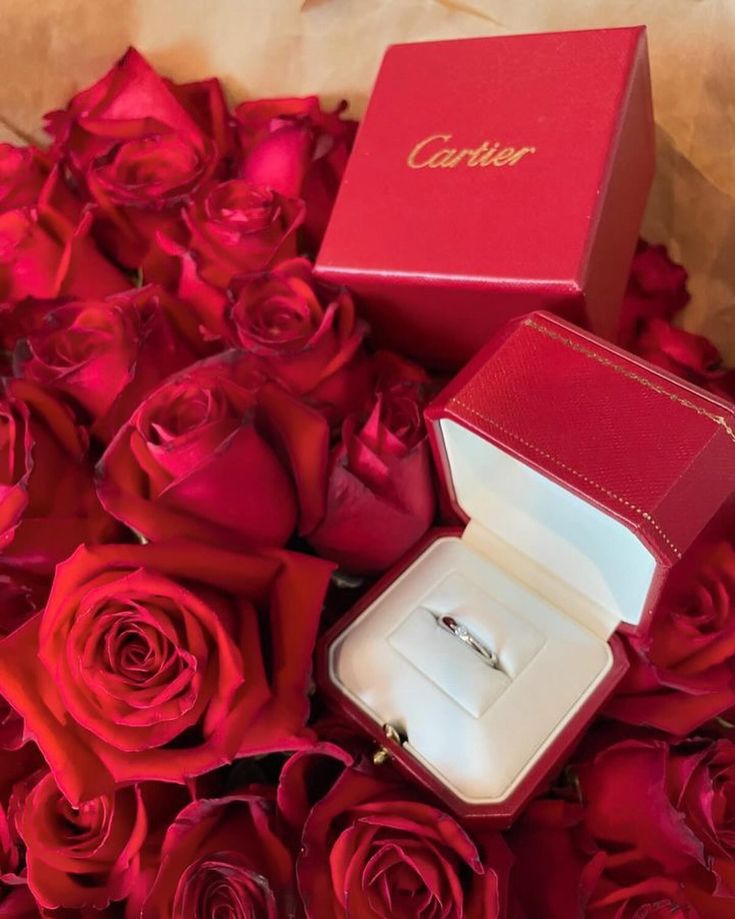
x=51, y=48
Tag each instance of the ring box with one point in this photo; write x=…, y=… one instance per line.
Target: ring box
x=590, y=482
x=491, y=177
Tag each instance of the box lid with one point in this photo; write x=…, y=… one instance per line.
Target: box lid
x=585, y=459
x=488, y=163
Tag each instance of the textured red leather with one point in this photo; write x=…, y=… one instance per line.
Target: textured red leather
x=648, y=448
x=443, y=250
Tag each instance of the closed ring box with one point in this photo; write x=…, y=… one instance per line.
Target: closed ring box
x=589, y=481
x=491, y=177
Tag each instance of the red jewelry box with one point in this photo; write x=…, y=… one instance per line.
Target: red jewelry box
x=590, y=481
x=537, y=207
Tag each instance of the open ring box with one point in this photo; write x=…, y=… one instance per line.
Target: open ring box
x=590, y=481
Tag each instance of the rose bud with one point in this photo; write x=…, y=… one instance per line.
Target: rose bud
x=165, y=661
x=370, y=848
x=48, y=503
x=139, y=154
x=682, y=673
x=45, y=252
x=81, y=856
x=380, y=492
x=105, y=355
x=310, y=344
x=224, y=857
x=23, y=173
x=298, y=149
x=657, y=287
x=690, y=356
x=191, y=462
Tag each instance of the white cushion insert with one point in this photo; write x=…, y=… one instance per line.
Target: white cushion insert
x=476, y=729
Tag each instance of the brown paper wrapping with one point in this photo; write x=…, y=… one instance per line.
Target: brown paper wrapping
x=51, y=48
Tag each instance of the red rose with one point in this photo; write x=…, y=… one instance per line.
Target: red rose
x=163, y=661
x=129, y=102
x=682, y=674
x=702, y=786
x=105, y=355
x=205, y=102
x=380, y=492
x=191, y=462
x=85, y=856
x=233, y=228
x=224, y=857
x=370, y=849
x=139, y=153
x=48, y=503
x=619, y=782
x=237, y=227
x=686, y=795
x=692, y=357
x=45, y=252
x=301, y=435
x=657, y=287
x=295, y=147
x=308, y=775
x=650, y=897
x=561, y=871
x=314, y=348
x=23, y=172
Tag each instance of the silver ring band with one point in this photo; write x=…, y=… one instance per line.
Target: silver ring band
x=463, y=633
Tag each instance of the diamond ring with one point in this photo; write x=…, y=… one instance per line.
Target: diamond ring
x=463, y=633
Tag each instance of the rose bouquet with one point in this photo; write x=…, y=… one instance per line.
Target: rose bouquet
x=194, y=434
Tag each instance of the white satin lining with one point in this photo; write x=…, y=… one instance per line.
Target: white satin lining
x=586, y=549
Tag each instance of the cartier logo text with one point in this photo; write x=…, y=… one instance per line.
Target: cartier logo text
x=440, y=151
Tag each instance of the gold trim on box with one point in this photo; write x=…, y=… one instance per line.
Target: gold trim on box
x=611, y=494
x=720, y=420
x=631, y=375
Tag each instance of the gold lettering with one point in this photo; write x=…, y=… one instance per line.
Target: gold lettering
x=412, y=162
x=478, y=153
x=456, y=160
x=431, y=153
x=488, y=157
x=519, y=154
x=443, y=158
x=504, y=157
